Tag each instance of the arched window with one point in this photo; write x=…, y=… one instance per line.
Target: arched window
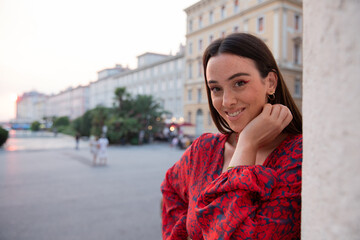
x=199, y=122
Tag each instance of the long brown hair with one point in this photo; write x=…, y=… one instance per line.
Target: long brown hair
x=248, y=46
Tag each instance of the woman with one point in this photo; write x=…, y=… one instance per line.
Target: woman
x=103, y=143
x=94, y=148
x=245, y=182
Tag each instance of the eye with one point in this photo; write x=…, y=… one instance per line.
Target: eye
x=214, y=89
x=240, y=83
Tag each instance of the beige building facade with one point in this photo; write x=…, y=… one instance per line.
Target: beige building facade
x=277, y=22
x=71, y=102
x=29, y=107
x=158, y=75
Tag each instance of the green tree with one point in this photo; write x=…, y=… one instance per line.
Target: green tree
x=147, y=111
x=121, y=130
x=99, y=116
x=35, y=126
x=4, y=134
x=124, y=121
x=133, y=115
x=61, y=121
x=83, y=124
x=120, y=96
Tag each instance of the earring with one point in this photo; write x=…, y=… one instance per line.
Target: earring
x=271, y=97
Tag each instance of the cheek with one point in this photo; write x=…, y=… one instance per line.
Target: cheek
x=257, y=103
x=257, y=97
x=216, y=101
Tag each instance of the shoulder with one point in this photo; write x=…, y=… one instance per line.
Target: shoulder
x=293, y=143
x=202, y=147
x=290, y=154
x=209, y=140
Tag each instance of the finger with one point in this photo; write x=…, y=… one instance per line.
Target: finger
x=275, y=112
x=287, y=117
x=284, y=111
x=267, y=109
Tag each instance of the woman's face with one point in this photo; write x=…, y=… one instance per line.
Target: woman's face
x=238, y=92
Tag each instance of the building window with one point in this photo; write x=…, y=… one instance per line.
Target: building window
x=200, y=44
x=236, y=6
x=297, y=53
x=297, y=22
x=190, y=47
x=199, y=123
x=171, y=66
x=190, y=25
x=200, y=22
x=223, y=13
x=189, y=95
x=211, y=17
x=199, y=95
x=199, y=68
x=297, y=90
x=189, y=117
x=260, y=24
x=211, y=38
x=246, y=25
x=171, y=84
x=179, y=63
x=223, y=34
x=190, y=70
x=236, y=29
x=209, y=118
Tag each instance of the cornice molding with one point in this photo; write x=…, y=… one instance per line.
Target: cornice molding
x=281, y=4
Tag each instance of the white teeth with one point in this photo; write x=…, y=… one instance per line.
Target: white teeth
x=234, y=113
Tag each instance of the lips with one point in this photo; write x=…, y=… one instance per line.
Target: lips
x=234, y=114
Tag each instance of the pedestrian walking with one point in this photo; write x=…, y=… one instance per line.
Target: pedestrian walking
x=94, y=148
x=77, y=140
x=244, y=182
x=174, y=142
x=103, y=143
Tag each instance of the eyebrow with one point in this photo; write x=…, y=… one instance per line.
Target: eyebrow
x=231, y=77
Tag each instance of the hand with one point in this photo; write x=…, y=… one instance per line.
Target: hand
x=264, y=128
x=259, y=132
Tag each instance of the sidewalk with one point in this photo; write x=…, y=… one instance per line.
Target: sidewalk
x=27, y=140
x=55, y=193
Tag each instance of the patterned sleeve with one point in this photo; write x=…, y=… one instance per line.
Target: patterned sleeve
x=254, y=202
x=175, y=199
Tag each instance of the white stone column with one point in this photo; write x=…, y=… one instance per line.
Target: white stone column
x=331, y=111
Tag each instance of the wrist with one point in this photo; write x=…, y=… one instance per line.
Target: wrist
x=244, y=155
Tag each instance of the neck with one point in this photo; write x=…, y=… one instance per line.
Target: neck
x=233, y=138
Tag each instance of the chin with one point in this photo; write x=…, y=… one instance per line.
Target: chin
x=236, y=129
x=238, y=126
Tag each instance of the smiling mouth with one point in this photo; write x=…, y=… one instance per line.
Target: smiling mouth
x=234, y=114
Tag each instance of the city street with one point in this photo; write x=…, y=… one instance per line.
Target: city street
x=49, y=190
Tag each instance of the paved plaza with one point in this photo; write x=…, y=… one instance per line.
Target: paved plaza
x=49, y=190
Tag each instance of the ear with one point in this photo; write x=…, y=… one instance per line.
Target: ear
x=271, y=81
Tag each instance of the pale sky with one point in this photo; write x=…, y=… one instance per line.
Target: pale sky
x=48, y=45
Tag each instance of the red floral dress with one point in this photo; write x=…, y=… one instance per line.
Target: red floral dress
x=245, y=202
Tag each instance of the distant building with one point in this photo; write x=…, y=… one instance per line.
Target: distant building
x=101, y=91
x=159, y=75
x=29, y=107
x=72, y=102
x=277, y=22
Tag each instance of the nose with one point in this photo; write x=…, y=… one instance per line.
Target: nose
x=229, y=98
